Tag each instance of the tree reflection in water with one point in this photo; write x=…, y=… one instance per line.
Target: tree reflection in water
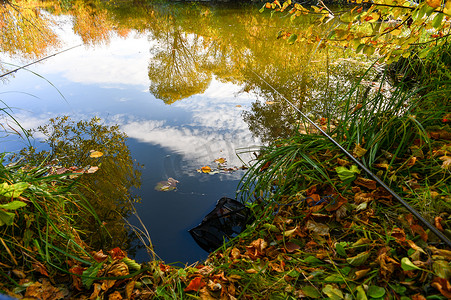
x=109, y=189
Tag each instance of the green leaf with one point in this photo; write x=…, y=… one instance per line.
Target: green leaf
x=407, y=265
x=359, y=48
x=334, y=278
x=13, y=205
x=375, y=291
x=6, y=218
x=262, y=9
x=90, y=274
x=369, y=50
x=312, y=260
x=359, y=259
x=131, y=263
x=345, y=271
x=399, y=289
x=332, y=292
x=340, y=250
x=13, y=190
x=346, y=174
x=311, y=292
x=292, y=39
x=361, y=293
x=437, y=22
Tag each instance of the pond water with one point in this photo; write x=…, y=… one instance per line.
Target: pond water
x=183, y=82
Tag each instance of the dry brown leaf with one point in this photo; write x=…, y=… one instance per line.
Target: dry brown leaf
x=443, y=286
x=129, y=289
x=317, y=228
x=99, y=256
x=115, y=296
x=44, y=291
x=235, y=253
x=19, y=274
x=205, y=294
x=39, y=267
x=361, y=273
x=437, y=223
x=446, y=162
x=343, y=162
x=358, y=151
x=118, y=269
x=97, y=288
x=291, y=247
x=368, y=183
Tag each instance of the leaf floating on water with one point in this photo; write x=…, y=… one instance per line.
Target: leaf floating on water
x=166, y=186
x=95, y=154
x=206, y=169
x=92, y=169
x=220, y=160
x=270, y=102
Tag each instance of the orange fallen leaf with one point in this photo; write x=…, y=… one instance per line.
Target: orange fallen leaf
x=195, y=285
x=443, y=286
x=115, y=296
x=438, y=224
x=117, y=253
x=40, y=268
x=434, y=3
x=206, y=169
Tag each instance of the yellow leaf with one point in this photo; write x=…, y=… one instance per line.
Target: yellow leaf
x=447, y=8
x=434, y=3
x=396, y=31
x=375, y=16
x=95, y=154
x=270, y=102
x=206, y=169
x=358, y=151
x=220, y=160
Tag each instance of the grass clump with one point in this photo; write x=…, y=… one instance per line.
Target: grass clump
x=38, y=223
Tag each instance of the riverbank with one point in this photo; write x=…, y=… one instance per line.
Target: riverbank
x=322, y=227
